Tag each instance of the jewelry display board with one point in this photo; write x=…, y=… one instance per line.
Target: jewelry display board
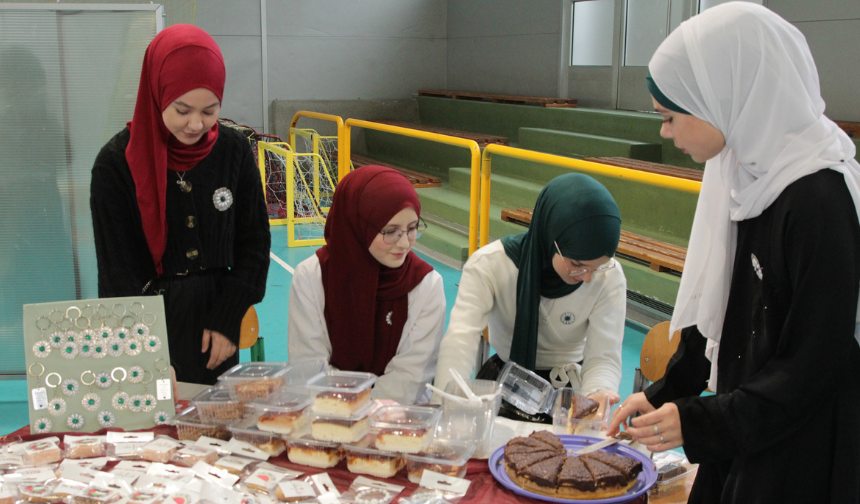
x=97, y=363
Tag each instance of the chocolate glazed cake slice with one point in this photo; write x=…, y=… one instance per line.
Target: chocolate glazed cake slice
x=543, y=476
x=604, y=475
x=629, y=467
x=574, y=478
x=517, y=462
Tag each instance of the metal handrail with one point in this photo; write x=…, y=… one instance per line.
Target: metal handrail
x=690, y=186
x=475, y=164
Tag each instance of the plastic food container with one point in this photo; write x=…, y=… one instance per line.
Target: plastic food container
x=472, y=424
x=300, y=373
x=254, y=380
x=442, y=456
x=340, y=393
x=216, y=405
x=190, y=427
x=568, y=406
x=672, y=471
x=269, y=442
x=342, y=430
x=526, y=390
x=364, y=458
x=404, y=429
x=282, y=412
x=306, y=450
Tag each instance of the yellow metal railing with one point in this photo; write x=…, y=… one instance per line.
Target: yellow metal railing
x=343, y=162
x=675, y=183
x=475, y=164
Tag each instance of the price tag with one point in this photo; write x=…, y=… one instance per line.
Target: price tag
x=40, y=398
x=163, y=389
x=324, y=484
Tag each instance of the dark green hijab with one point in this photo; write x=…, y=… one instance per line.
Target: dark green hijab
x=577, y=212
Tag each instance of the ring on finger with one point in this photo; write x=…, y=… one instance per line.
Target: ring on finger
x=662, y=441
x=656, y=430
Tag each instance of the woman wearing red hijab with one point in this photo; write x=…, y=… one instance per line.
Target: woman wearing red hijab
x=365, y=301
x=178, y=207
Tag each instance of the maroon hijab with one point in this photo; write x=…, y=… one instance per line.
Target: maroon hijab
x=179, y=59
x=366, y=303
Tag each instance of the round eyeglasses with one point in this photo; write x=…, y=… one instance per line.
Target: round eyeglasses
x=585, y=269
x=412, y=233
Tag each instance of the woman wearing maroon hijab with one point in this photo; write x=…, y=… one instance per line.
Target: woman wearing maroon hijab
x=178, y=207
x=365, y=301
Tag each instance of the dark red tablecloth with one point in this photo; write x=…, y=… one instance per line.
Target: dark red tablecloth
x=484, y=488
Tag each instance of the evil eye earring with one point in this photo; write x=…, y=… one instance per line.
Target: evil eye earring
x=132, y=347
x=75, y=422
x=152, y=344
x=86, y=338
x=149, y=401
x=135, y=374
x=42, y=425
x=161, y=418
x=120, y=399
x=57, y=405
x=91, y=401
x=103, y=380
x=70, y=387
x=106, y=418
x=120, y=331
x=115, y=346
x=69, y=350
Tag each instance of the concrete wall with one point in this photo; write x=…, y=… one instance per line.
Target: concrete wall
x=832, y=29
x=504, y=46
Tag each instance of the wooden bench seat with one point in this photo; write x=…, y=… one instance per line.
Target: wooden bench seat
x=651, y=167
x=482, y=139
x=417, y=179
x=661, y=256
x=852, y=128
x=500, y=98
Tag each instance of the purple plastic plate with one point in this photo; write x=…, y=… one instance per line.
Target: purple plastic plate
x=646, y=478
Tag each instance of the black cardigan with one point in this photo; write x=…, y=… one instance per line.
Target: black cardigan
x=783, y=425
x=235, y=241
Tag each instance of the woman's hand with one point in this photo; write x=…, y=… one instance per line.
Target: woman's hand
x=658, y=429
x=175, y=384
x=222, y=348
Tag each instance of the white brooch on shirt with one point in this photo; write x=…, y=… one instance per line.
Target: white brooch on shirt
x=567, y=318
x=757, y=267
x=222, y=198
x=388, y=318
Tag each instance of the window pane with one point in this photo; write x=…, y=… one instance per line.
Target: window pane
x=593, y=23
x=68, y=82
x=707, y=4
x=646, y=28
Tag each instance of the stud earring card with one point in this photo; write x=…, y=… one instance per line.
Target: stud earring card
x=97, y=363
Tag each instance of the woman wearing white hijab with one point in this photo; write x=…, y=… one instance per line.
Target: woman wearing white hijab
x=769, y=296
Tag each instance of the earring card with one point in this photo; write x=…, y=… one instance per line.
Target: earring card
x=100, y=363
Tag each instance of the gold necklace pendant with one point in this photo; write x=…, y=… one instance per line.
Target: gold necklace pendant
x=183, y=185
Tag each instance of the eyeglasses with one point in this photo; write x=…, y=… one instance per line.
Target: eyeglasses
x=585, y=269
x=412, y=233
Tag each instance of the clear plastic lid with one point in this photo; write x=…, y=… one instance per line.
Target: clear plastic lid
x=255, y=371
x=361, y=414
x=304, y=439
x=286, y=401
x=189, y=417
x=525, y=389
x=572, y=413
x=300, y=373
x=346, y=382
x=406, y=418
x=214, y=395
x=366, y=446
x=444, y=452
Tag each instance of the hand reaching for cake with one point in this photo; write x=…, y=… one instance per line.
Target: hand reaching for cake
x=658, y=429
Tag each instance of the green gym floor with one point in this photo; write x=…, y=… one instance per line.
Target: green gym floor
x=272, y=313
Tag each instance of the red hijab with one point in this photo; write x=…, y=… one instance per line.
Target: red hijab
x=179, y=59
x=366, y=303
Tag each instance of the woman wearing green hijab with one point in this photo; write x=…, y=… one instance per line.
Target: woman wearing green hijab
x=553, y=297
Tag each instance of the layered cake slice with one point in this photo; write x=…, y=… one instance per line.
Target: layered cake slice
x=542, y=477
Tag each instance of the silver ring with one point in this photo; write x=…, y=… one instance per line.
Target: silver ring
x=30, y=369
x=59, y=379
x=85, y=320
x=56, y=318
x=166, y=365
x=102, y=311
x=124, y=374
x=39, y=323
x=662, y=441
x=134, y=310
x=152, y=318
x=91, y=381
x=656, y=430
x=88, y=311
x=118, y=313
x=69, y=310
x=128, y=321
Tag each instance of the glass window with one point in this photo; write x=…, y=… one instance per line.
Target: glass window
x=593, y=26
x=647, y=22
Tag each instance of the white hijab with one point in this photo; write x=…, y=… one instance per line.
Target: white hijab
x=748, y=72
